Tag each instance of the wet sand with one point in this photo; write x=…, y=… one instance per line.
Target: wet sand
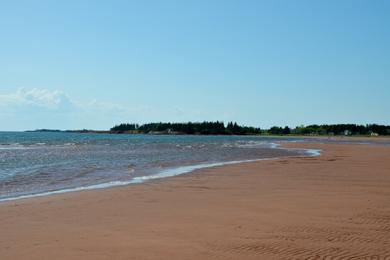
x=336, y=206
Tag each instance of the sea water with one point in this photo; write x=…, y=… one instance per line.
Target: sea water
x=43, y=163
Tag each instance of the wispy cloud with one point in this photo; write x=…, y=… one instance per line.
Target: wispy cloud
x=54, y=101
x=42, y=108
x=36, y=97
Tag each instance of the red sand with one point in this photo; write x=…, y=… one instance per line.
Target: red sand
x=336, y=206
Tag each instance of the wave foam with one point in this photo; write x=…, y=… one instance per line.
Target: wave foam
x=163, y=174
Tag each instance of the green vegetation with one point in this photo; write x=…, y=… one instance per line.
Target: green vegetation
x=203, y=128
x=232, y=128
x=342, y=129
x=122, y=128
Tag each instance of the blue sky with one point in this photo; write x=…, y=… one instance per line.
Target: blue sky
x=92, y=64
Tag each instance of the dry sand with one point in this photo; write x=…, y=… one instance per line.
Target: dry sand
x=336, y=206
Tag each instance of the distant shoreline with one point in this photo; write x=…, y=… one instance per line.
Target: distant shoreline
x=172, y=134
x=232, y=128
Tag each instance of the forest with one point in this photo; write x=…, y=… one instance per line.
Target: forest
x=232, y=128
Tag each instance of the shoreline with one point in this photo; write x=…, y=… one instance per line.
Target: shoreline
x=99, y=132
x=299, y=207
x=167, y=173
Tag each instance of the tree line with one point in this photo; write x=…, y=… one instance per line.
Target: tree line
x=346, y=129
x=232, y=128
x=201, y=128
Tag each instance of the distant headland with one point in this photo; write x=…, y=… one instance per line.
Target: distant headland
x=232, y=128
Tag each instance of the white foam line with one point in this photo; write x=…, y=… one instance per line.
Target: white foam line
x=82, y=188
x=164, y=174
x=186, y=169
x=314, y=152
x=310, y=152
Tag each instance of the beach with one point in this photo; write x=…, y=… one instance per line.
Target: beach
x=333, y=206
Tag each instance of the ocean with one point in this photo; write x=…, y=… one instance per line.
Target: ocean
x=44, y=163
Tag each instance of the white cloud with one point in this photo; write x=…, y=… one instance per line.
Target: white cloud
x=53, y=101
x=41, y=108
x=35, y=98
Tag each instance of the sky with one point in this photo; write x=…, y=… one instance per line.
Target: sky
x=93, y=64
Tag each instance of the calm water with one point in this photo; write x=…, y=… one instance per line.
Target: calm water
x=44, y=163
